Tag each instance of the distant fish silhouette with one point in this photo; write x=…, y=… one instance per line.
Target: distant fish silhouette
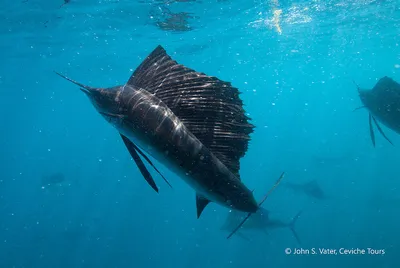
x=55, y=178
x=311, y=189
x=382, y=103
x=258, y=221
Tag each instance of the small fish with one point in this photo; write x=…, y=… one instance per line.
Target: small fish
x=382, y=103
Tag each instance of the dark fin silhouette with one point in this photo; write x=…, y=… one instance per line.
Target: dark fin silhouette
x=381, y=131
x=210, y=108
x=259, y=205
x=292, y=226
x=147, y=176
x=387, y=85
x=201, y=203
x=371, y=130
x=151, y=163
x=83, y=87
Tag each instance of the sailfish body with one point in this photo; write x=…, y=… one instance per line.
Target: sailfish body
x=191, y=122
x=383, y=103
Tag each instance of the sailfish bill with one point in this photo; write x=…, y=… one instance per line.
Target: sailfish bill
x=259, y=205
x=192, y=123
x=383, y=104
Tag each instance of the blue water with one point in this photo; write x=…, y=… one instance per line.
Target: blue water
x=295, y=73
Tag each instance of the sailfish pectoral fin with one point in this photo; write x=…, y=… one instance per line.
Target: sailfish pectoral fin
x=146, y=174
x=151, y=163
x=371, y=130
x=381, y=131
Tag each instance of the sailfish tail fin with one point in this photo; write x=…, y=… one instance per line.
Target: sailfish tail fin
x=292, y=226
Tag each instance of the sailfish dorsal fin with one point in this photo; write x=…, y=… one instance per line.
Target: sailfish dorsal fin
x=210, y=108
x=388, y=85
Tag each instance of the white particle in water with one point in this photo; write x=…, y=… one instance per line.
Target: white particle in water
x=397, y=66
x=49, y=150
x=100, y=160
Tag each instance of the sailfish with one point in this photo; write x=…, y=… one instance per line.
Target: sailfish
x=382, y=103
x=193, y=123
